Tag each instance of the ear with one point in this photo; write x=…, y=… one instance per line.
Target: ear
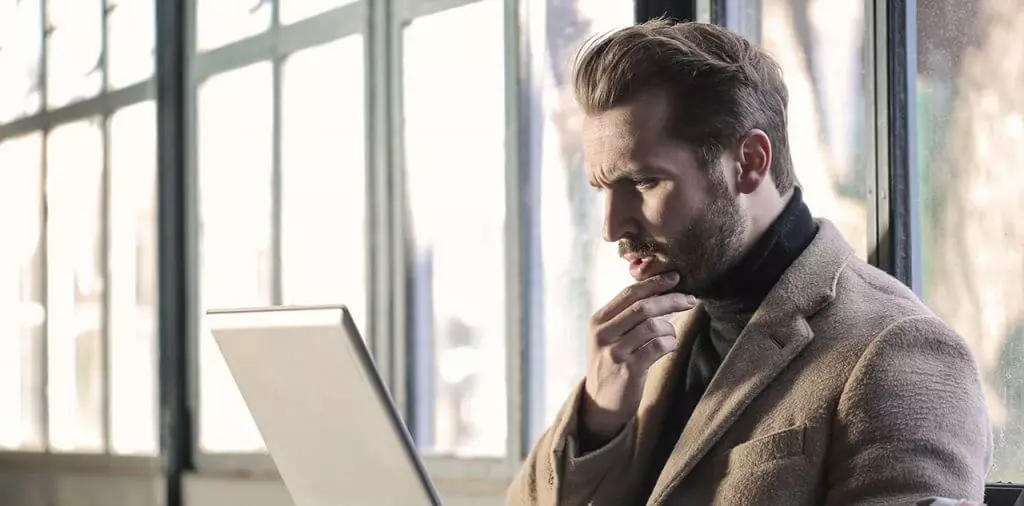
x=755, y=160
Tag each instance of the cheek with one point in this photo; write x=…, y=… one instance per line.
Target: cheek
x=669, y=210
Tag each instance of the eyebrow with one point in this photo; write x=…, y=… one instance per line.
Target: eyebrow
x=630, y=174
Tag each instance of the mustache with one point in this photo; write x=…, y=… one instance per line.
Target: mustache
x=640, y=247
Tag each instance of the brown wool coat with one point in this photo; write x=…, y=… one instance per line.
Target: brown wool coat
x=843, y=389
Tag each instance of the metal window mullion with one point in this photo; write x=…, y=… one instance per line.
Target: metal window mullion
x=45, y=238
x=281, y=40
x=277, y=271
x=107, y=312
x=100, y=105
x=379, y=276
x=176, y=250
x=900, y=69
x=876, y=184
x=194, y=266
x=517, y=225
x=401, y=363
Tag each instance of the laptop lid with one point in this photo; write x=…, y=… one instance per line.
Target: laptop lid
x=323, y=411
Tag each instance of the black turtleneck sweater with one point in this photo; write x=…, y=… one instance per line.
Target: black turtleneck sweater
x=730, y=303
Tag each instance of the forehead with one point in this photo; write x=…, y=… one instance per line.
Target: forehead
x=634, y=126
x=633, y=137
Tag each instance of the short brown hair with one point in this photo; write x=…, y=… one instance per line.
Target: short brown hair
x=720, y=85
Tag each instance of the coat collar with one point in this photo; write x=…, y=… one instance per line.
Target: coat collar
x=777, y=332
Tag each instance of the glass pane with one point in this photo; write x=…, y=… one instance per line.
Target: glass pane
x=581, y=272
x=454, y=139
x=73, y=69
x=133, y=290
x=22, y=315
x=235, y=152
x=323, y=193
x=221, y=22
x=826, y=61
x=971, y=141
x=21, y=36
x=131, y=32
x=296, y=10
x=74, y=190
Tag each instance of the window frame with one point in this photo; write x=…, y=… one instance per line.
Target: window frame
x=274, y=45
x=102, y=107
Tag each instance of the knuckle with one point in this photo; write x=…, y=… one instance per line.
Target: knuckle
x=643, y=309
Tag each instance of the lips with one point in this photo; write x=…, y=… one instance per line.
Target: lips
x=643, y=267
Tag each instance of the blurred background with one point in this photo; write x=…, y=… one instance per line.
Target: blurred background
x=420, y=162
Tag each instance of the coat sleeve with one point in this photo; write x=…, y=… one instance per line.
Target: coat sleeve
x=911, y=422
x=556, y=473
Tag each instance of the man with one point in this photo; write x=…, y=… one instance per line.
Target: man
x=803, y=375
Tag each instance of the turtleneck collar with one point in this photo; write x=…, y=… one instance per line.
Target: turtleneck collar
x=784, y=240
x=735, y=296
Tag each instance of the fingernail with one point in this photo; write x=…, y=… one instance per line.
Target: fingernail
x=672, y=276
x=691, y=300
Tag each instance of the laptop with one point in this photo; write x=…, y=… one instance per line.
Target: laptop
x=327, y=419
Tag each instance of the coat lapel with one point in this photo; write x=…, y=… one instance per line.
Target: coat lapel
x=776, y=334
x=662, y=380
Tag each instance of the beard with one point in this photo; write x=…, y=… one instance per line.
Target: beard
x=710, y=245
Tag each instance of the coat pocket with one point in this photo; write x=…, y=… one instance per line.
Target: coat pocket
x=765, y=449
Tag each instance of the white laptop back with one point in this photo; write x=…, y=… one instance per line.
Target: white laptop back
x=325, y=415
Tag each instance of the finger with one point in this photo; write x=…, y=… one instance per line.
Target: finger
x=645, y=356
x=642, y=310
x=636, y=338
x=647, y=288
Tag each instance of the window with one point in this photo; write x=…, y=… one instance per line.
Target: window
x=581, y=272
x=22, y=312
x=77, y=307
x=297, y=10
x=454, y=109
x=221, y=22
x=20, y=58
x=75, y=287
x=132, y=279
x=74, y=67
x=130, y=41
x=822, y=47
x=282, y=187
x=970, y=110
x=235, y=144
x=323, y=187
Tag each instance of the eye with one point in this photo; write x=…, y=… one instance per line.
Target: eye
x=646, y=183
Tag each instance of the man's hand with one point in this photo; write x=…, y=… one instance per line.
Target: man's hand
x=626, y=338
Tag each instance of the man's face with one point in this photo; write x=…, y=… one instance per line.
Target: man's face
x=666, y=211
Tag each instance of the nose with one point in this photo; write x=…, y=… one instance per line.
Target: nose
x=618, y=219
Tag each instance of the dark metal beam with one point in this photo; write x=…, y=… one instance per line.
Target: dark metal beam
x=682, y=10
x=901, y=69
x=174, y=241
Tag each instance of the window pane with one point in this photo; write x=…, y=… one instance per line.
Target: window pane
x=131, y=31
x=235, y=152
x=22, y=315
x=323, y=192
x=132, y=278
x=74, y=190
x=221, y=22
x=454, y=138
x=296, y=10
x=971, y=142
x=581, y=271
x=21, y=35
x=73, y=69
x=826, y=62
